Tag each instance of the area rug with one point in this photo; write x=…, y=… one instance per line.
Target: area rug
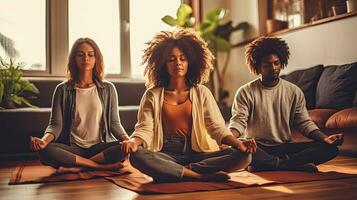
x=143, y=184
x=35, y=172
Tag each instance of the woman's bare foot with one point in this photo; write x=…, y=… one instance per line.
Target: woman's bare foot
x=63, y=170
x=218, y=176
x=111, y=166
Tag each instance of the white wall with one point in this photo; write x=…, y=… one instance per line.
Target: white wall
x=239, y=10
x=329, y=43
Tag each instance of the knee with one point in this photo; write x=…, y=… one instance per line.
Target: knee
x=331, y=150
x=243, y=159
x=138, y=157
x=46, y=152
x=45, y=155
x=246, y=160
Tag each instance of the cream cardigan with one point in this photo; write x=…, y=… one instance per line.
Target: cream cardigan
x=208, y=128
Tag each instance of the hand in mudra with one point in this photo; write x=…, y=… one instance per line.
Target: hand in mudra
x=129, y=146
x=248, y=146
x=37, y=144
x=335, y=139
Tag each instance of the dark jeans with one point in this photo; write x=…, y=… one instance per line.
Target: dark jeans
x=293, y=154
x=58, y=154
x=167, y=165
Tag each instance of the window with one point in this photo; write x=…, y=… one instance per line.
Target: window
x=109, y=23
x=23, y=32
x=98, y=20
x=145, y=21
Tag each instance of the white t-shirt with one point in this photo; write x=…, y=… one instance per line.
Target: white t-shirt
x=85, y=130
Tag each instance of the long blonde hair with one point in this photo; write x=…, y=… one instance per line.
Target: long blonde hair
x=72, y=68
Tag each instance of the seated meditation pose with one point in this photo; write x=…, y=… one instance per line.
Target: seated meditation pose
x=268, y=107
x=84, y=131
x=179, y=126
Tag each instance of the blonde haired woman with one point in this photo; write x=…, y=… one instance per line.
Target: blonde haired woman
x=84, y=131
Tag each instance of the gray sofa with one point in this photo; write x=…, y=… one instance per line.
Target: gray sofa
x=17, y=125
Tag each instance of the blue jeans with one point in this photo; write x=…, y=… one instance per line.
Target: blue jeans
x=167, y=165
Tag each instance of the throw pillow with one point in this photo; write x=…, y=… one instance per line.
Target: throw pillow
x=343, y=119
x=306, y=80
x=320, y=116
x=337, y=86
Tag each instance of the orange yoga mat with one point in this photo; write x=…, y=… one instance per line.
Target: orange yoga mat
x=35, y=172
x=143, y=184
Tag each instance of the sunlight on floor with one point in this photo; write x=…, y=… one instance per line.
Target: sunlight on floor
x=341, y=169
x=282, y=189
x=248, y=178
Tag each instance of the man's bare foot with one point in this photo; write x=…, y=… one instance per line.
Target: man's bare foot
x=63, y=170
x=218, y=176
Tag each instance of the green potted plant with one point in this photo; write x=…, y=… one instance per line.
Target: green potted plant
x=216, y=35
x=14, y=90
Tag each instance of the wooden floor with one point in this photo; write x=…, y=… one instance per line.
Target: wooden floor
x=101, y=189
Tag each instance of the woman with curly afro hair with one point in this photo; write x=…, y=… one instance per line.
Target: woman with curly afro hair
x=179, y=126
x=267, y=108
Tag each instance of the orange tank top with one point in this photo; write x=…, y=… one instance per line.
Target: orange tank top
x=177, y=119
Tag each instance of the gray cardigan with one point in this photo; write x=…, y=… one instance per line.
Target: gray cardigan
x=64, y=106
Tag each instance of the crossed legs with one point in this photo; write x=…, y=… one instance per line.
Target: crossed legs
x=102, y=156
x=166, y=167
x=292, y=155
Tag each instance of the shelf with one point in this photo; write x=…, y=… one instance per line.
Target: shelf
x=315, y=23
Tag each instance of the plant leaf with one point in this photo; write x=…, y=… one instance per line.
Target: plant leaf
x=169, y=20
x=28, y=86
x=27, y=103
x=208, y=27
x=12, y=85
x=216, y=15
x=183, y=13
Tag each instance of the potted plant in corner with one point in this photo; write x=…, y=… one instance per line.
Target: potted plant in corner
x=14, y=90
x=217, y=36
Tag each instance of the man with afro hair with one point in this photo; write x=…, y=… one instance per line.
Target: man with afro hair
x=268, y=107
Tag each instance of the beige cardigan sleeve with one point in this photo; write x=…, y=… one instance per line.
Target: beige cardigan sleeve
x=213, y=118
x=144, y=128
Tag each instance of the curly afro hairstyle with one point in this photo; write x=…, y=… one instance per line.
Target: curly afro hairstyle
x=195, y=49
x=264, y=46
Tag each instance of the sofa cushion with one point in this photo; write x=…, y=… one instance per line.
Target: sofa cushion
x=307, y=80
x=129, y=92
x=337, y=86
x=46, y=88
x=320, y=116
x=343, y=119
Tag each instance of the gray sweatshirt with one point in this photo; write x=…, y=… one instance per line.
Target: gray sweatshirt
x=268, y=113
